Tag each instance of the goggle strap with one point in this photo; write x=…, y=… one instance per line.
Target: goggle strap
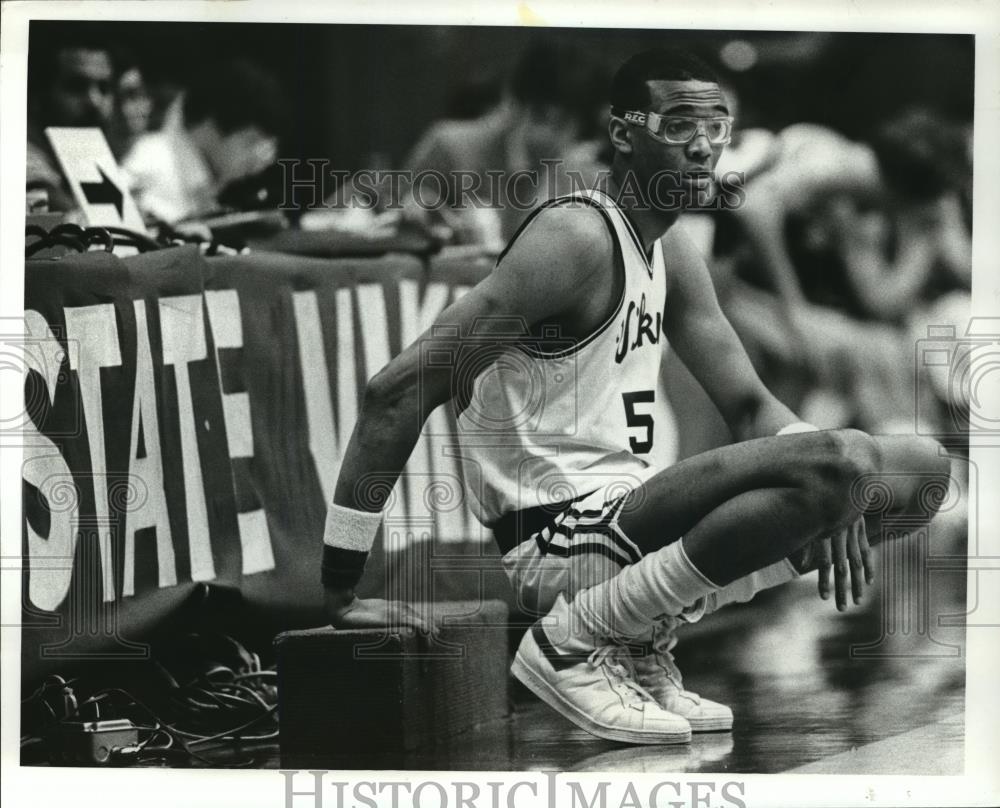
x=630, y=116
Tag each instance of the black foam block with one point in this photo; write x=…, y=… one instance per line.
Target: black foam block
x=363, y=698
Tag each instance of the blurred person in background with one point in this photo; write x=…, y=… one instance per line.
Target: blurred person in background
x=134, y=106
x=474, y=95
x=71, y=82
x=915, y=269
x=545, y=112
x=543, y=115
x=845, y=242
x=223, y=128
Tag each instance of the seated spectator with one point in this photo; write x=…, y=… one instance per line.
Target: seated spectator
x=222, y=129
x=847, y=241
x=133, y=107
x=925, y=168
x=505, y=153
x=548, y=102
x=71, y=82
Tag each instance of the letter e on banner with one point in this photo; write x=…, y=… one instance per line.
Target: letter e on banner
x=227, y=329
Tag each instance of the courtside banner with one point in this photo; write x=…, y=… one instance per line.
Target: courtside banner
x=186, y=421
x=128, y=498
x=297, y=340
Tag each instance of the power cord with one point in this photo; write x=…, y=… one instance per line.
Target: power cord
x=217, y=704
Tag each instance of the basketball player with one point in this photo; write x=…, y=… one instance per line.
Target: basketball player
x=635, y=549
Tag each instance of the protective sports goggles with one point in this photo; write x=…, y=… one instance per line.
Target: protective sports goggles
x=677, y=130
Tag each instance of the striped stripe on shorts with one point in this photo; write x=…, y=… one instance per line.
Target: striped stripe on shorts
x=582, y=547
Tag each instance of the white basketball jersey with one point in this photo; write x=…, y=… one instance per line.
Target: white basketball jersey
x=550, y=419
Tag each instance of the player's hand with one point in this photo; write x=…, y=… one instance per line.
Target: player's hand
x=849, y=555
x=372, y=613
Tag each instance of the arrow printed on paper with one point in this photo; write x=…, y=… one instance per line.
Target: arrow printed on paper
x=104, y=192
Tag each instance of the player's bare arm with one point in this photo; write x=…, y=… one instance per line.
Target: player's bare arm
x=707, y=344
x=705, y=341
x=551, y=271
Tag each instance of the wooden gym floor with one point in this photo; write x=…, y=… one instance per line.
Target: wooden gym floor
x=812, y=691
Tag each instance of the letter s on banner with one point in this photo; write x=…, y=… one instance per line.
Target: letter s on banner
x=50, y=558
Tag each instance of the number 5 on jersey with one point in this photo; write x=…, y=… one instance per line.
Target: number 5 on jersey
x=639, y=420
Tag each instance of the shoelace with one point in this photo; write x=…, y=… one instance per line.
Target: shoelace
x=664, y=640
x=616, y=660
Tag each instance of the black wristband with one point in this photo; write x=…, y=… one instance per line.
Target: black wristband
x=342, y=569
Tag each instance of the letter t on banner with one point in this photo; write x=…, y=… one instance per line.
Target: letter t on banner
x=182, y=323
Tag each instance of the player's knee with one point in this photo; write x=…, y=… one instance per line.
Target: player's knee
x=858, y=454
x=842, y=459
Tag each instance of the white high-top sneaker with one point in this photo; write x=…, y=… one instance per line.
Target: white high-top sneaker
x=658, y=675
x=596, y=691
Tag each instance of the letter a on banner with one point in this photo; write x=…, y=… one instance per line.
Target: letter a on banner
x=146, y=467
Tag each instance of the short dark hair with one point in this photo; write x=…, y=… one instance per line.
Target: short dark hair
x=235, y=95
x=921, y=155
x=628, y=88
x=550, y=72
x=46, y=40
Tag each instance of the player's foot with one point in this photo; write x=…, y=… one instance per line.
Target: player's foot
x=596, y=691
x=657, y=674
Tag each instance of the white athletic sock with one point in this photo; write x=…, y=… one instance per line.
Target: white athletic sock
x=743, y=589
x=626, y=606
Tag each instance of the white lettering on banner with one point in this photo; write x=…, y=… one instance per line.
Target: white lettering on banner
x=255, y=539
x=316, y=388
x=50, y=558
x=347, y=377
x=183, y=326
x=227, y=330
x=95, y=331
x=374, y=327
x=375, y=339
x=151, y=509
